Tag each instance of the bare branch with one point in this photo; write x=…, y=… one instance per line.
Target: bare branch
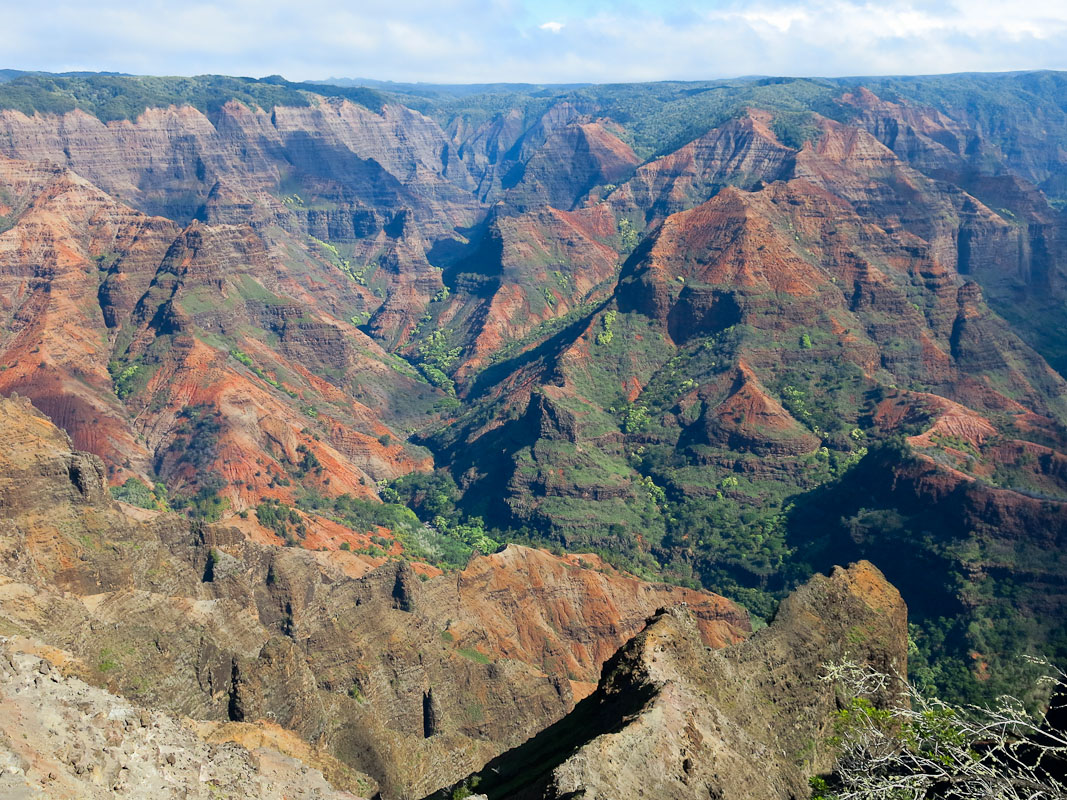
x=913, y=747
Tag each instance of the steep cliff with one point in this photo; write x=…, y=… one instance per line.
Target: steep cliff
x=672, y=718
x=123, y=327
x=168, y=160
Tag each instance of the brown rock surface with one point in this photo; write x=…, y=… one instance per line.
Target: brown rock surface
x=743, y=152
x=93, y=290
x=169, y=159
x=65, y=738
x=749, y=419
x=529, y=269
x=673, y=719
x=529, y=605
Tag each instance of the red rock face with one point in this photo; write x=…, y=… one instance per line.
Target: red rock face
x=728, y=242
x=543, y=263
x=373, y=182
x=921, y=136
x=55, y=338
x=535, y=267
x=568, y=615
x=742, y=152
x=749, y=419
x=555, y=160
x=794, y=254
x=94, y=289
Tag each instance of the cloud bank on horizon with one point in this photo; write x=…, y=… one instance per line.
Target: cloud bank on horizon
x=552, y=41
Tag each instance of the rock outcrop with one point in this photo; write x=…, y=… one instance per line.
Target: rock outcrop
x=116, y=324
x=64, y=737
x=744, y=152
x=673, y=719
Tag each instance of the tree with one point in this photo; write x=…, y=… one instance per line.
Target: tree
x=919, y=747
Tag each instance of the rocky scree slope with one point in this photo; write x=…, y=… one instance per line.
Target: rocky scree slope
x=67, y=738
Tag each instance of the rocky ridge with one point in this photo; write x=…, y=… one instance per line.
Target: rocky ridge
x=673, y=718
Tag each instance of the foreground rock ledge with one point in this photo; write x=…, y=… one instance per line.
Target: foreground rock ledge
x=672, y=718
x=61, y=737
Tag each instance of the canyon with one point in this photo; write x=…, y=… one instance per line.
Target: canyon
x=402, y=433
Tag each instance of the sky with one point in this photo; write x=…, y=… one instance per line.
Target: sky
x=555, y=41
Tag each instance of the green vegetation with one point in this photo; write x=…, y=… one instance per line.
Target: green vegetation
x=362, y=275
x=129, y=379
x=966, y=621
x=605, y=335
x=434, y=358
x=205, y=503
x=125, y=380
x=191, y=455
x=308, y=463
x=433, y=498
x=108, y=661
x=635, y=418
x=541, y=333
x=115, y=97
x=420, y=511
x=794, y=129
x=137, y=493
x=196, y=439
x=474, y=655
x=245, y=359
x=283, y=520
x=657, y=118
x=628, y=236
x=466, y=789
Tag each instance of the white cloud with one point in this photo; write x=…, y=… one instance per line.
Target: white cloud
x=490, y=40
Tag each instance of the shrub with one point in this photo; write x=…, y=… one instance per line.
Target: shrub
x=913, y=746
